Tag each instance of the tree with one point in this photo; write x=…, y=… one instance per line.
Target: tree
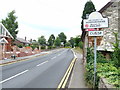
x=67, y=44
x=77, y=40
x=11, y=24
x=51, y=40
x=89, y=8
x=72, y=42
x=62, y=37
x=57, y=42
x=42, y=41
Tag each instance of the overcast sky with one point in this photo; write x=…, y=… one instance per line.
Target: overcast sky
x=46, y=17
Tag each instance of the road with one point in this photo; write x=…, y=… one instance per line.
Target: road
x=40, y=72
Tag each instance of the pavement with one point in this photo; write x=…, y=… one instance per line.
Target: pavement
x=77, y=79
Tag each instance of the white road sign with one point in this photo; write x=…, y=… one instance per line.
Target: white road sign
x=95, y=33
x=95, y=20
x=96, y=23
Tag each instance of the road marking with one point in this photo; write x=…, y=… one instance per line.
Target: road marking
x=13, y=76
x=53, y=57
x=41, y=63
x=65, y=78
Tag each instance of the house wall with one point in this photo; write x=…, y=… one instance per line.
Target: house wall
x=0, y=52
x=8, y=45
x=112, y=13
x=119, y=20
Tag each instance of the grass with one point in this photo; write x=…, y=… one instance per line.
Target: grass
x=78, y=50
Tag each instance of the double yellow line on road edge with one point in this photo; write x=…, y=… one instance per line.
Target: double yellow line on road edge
x=67, y=74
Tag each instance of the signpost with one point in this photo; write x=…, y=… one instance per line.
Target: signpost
x=95, y=21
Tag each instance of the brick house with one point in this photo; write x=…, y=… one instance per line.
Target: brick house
x=6, y=37
x=21, y=41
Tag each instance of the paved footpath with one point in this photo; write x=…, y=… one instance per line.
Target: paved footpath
x=77, y=77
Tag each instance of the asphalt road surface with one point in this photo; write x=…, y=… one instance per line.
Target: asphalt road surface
x=40, y=72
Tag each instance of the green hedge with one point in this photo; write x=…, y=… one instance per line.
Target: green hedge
x=105, y=68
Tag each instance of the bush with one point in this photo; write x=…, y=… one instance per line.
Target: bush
x=33, y=46
x=105, y=68
x=50, y=47
x=43, y=47
x=110, y=72
x=20, y=46
x=80, y=44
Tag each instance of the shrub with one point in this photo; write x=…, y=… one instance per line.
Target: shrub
x=80, y=44
x=20, y=46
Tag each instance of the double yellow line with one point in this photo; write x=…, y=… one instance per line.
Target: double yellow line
x=67, y=74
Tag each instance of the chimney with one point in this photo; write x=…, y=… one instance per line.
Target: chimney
x=30, y=40
x=25, y=38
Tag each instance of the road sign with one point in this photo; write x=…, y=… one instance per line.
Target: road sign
x=96, y=23
x=95, y=20
x=95, y=33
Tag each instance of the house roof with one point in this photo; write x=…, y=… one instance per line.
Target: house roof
x=22, y=40
x=6, y=30
x=3, y=40
x=108, y=5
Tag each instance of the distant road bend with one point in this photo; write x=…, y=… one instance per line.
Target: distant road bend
x=40, y=72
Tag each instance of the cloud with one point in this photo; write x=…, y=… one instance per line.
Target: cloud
x=29, y=32
x=46, y=17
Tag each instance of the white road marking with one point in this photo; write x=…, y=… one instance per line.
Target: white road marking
x=13, y=76
x=42, y=63
x=53, y=57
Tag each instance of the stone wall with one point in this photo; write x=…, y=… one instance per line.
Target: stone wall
x=112, y=13
x=103, y=84
x=119, y=19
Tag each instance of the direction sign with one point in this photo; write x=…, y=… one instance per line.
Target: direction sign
x=95, y=33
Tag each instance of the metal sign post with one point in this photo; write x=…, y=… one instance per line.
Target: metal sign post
x=95, y=59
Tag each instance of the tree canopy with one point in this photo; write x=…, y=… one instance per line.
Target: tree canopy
x=72, y=42
x=51, y=40
x=57, y=42
x=62, y=37
x=89, y=8
x=11, y=24
x=42, y=41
